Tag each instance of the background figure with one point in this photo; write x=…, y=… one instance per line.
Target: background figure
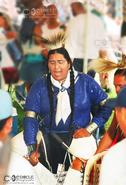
x=105, y=79
x=83, y=41
x=52, y=24
x=34, y=51
x=5, y=129
x=7, y=35
x=64, y=99
x=74, y=42
x=114, y=159
x=114, y=134
x=34, y=60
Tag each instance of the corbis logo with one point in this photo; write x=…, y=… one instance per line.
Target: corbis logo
x=34, y=11
x=20, y=179
x=41, y=12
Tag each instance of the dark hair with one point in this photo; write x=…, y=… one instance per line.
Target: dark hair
x=121, y=72
x=2, y=123
x=64, y=52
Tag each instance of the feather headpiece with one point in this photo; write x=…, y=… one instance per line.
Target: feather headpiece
x=55, y=41
x=106, y=65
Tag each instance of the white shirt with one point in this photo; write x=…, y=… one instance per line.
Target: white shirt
x=78, y=33
x=113, y=167
x=41, y=175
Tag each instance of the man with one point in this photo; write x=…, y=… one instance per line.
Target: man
x=12, y=164
x=114, y=162
x=82, y=41
x=64, y=100
x=5, y=129
x=114, y=133
x=5, y=115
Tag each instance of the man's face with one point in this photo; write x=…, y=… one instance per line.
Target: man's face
x=58, y=66
x=119, y=82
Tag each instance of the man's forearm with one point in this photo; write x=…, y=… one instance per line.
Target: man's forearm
x=104, y=143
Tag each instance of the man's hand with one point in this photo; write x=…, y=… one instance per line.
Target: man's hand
x=33, y=158
x=82, y=132
x=78, y=165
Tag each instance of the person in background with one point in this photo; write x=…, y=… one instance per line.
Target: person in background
x=34, y=53
x=5, y=129
x=93, y=39
x=104, y=79
x=74, y=41
x=52, y=24
x=112, y=171
x=113, y=134
x=7, y=34
x=64, y=100
x=5, y=114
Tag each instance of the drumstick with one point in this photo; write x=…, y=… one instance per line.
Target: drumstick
x=38, y=138
x=66, y=146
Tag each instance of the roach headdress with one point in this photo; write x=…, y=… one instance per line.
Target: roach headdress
x=105, y=65
x=55, y=41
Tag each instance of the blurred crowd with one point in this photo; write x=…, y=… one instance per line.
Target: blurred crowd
x=23, y=24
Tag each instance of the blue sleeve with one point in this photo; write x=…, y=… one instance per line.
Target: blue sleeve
x=31, y=125
x=30, y=130
x=34, y=97
x=101, y=112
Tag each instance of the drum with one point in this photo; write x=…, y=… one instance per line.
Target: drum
x=92, y=169
x=20, y=171
x=84, y=147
